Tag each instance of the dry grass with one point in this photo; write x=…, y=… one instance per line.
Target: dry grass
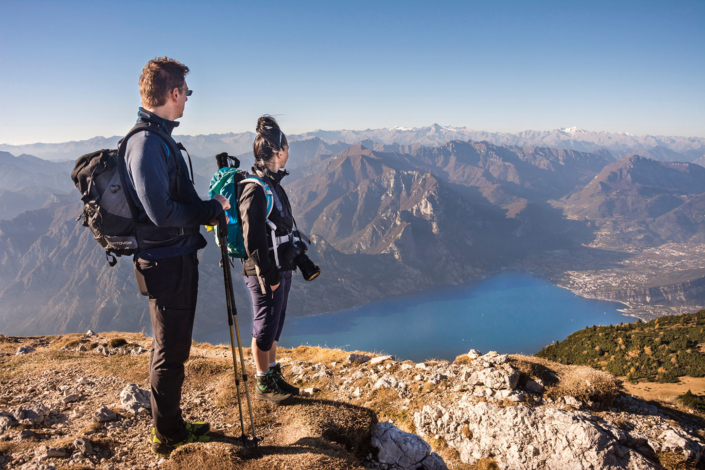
x=345, y=424
x=462, y=360
x=211, y=347
x=315, y=354
x=200, y=369
x=306, y=454
x=665, y=392
x=117, y=342
x=581, y=382
x=673, y=461
x=74, y=339
x=486, y=464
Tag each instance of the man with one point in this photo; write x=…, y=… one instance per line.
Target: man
x=166, y=267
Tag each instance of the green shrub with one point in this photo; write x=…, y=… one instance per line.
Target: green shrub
x=692, y=401
x=663, y=349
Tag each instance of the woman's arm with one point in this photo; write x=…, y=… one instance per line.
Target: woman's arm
x=253, y=215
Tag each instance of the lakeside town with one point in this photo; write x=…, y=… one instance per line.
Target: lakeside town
x=664, y=280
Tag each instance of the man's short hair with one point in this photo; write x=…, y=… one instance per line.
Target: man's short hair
x=159, y=77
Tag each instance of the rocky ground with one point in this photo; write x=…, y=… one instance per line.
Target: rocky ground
x=82, y=401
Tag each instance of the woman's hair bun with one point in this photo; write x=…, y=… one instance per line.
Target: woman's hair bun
x=269, y=139
x=266, y=124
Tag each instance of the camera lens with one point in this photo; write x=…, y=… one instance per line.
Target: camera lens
x=308, y=269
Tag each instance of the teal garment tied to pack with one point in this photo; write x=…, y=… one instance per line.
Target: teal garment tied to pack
x=226, y=182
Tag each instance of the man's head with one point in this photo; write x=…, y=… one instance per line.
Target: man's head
x=163, y=87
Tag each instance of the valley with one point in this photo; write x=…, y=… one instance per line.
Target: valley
x=390, y=219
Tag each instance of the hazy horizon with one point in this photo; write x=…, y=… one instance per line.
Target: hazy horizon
x=178, y=133
x=631, y=66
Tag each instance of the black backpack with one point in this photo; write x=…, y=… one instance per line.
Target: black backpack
x=108, y=208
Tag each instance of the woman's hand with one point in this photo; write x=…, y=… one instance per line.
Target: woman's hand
x=275, y=286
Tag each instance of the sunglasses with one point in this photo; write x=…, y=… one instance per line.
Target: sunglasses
x=187, y=91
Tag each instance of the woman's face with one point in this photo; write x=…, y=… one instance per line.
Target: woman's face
x=283, y=156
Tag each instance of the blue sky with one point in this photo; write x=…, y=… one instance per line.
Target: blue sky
x=69, y=69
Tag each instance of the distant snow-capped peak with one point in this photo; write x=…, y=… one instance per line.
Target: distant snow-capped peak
x=435, y=127
x=572, y=130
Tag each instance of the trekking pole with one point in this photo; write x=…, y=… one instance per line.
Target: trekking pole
x=232, y=320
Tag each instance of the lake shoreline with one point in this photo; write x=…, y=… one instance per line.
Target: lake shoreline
x=510, y=312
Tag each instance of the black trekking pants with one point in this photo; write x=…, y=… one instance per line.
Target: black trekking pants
x=172, y=287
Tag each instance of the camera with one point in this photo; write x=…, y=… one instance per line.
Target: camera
x=295, y=254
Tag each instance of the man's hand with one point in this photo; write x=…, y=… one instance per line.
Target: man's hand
x=275, y=286
x=223, y=201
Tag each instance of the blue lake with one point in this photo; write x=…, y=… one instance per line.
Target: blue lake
x=510, y=313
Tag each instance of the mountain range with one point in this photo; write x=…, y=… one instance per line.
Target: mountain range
x=386, y=219
x=664, y=148
x=643, y=202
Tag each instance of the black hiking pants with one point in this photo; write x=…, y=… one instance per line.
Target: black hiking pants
x=172, y=287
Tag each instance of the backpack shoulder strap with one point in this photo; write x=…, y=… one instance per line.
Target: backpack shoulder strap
x=267, y=191
x=122, y=149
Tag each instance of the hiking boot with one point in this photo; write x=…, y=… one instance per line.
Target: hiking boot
x=197, y=428
x=276, y=371
x=164, y=449
x=268, y=390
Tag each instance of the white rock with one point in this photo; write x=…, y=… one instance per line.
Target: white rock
x=496, y=379
x=34, y=413
x=523, y=438
x=400, y=450
x=358, y=358
x=406, y=366
x=573, y=402
x=435, y=379
x=391, y=382
x=474, y=354
x=71, y=398
x=83, y=445
x=534, y=386
x=44, y=452
x=6, y=421
x=421, y=365
x=380, y=359
x=22, y=350
x=90, y=333
x=494, y=358
x=675, y=441
x=358, y=375
x=132, y=398
x=323, y=374
x=104, y=415
x=357, y=393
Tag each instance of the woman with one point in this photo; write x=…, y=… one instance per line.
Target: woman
x=268, y=276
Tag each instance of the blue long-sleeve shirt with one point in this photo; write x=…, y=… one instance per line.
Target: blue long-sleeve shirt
x=151, y=169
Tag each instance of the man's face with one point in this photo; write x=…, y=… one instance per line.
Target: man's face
x=181, y=99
